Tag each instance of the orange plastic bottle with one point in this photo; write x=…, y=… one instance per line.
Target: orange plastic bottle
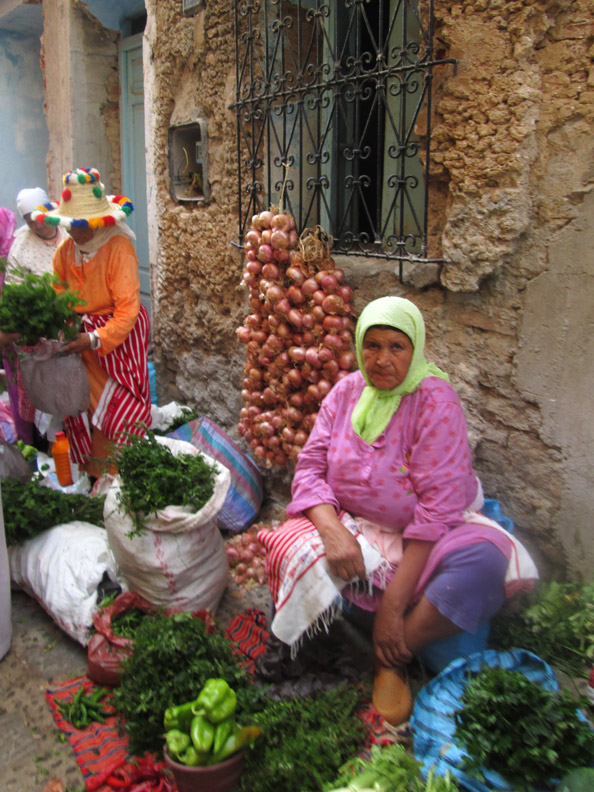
x=61, y=455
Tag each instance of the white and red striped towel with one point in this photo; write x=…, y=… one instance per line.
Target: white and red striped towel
x=126, y=398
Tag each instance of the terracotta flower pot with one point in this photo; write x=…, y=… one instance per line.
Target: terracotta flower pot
x=220, y=777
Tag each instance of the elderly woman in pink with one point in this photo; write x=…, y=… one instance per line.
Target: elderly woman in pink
x=385, y=507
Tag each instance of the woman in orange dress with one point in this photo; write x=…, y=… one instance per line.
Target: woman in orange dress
x=98, y=262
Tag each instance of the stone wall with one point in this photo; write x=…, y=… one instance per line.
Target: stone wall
x=508, y=316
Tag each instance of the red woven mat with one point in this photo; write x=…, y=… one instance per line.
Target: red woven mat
x=101, y=746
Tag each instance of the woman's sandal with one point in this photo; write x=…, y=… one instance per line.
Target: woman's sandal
x=391, y=696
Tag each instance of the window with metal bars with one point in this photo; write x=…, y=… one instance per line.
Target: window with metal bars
x=333, y=106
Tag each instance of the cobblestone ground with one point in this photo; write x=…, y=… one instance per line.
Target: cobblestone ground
x=33, y=752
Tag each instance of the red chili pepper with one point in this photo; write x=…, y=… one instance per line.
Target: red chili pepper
x=95, y=781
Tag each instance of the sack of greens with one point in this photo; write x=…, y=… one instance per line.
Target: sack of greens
x=161, y=519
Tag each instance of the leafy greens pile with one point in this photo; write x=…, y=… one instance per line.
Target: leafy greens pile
x=30, y=509
x=556, y=623
x=389, y=769
x=305, y=740
x=34, y=309
x=515, y=727
x=153, y=478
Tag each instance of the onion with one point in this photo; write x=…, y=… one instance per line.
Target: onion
x=325, y=355
x=274, y=293
x=243, y=334
x=279, y=240
x=288, y=435
x=270, y=271
x=253, y=267
x=281, y=255
x=332, y=322
x=253, y=237
x=324, y=387
x=338, y=274
x=282, y=307
x=296, y=399
x=318, y=297
x=329, y=283
x=280, y=221
x=294, y=317
x=297, y=354
x=312, y=357
x=309, y=286
x=295, y=380
x=293, y=414
x=346, y=360
x=266, y=219
x=301, y=436
x=295, y=274
x=251, y=255
x=295, y=295
x=332, y=341
x=346, y=293
x=265, y=253
x=318, y=313
x=307, y=321
x=332, y=304
x=331, y=368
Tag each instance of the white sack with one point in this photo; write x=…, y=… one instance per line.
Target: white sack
x=179, y=559
x=62, y=568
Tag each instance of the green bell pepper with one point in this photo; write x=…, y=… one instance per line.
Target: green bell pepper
x=202, y=733
x=177, y=742
x=192, y=757
x=179, y=717
x=238, y=739
x=217, y=700
x=222, y=731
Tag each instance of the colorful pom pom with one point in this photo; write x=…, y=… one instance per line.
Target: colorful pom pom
x=82, y=178
x=95, y=222
x=66, y=195
x=97, y=192
x=109, y=221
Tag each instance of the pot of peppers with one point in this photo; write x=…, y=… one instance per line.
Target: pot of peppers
x=204, y=746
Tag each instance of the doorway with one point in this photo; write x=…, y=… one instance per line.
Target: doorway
x=133, y=153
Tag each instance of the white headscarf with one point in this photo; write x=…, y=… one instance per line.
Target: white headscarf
x=30, y=198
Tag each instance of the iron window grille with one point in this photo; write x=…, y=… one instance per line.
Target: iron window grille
x=333, y=104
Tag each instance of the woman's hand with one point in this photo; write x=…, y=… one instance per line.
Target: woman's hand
x=389, y=631
x=343, y=551
x=79, y=344
x=389, y=643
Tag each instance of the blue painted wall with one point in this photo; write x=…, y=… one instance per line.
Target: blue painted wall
x=24, y=136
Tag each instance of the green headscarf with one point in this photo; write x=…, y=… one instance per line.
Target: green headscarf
x=376, y=407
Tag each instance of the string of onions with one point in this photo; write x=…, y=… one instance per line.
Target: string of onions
x=298, y=337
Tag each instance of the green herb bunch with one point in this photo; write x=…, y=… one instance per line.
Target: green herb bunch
x=556, y=622
x=389, y=769
x=153, y=477
x=34, y=309
x=525, y=733
x=173, y=657
x=30, y=509
x=306, y=741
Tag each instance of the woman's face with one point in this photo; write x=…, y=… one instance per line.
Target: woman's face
x=386, y=357
x=43, y=231
x=81, y=235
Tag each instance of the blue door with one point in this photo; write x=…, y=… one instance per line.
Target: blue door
x=133, y=153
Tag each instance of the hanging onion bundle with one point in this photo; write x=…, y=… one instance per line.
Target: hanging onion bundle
x=298, y=335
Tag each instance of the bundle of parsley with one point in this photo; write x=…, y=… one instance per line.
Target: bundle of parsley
x=30, y=509
x=152, y=477
x=555, y=621
x=34, y=309
x=525, y=733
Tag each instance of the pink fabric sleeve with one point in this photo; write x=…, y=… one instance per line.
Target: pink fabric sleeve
x=310, y=487
x=440, y=470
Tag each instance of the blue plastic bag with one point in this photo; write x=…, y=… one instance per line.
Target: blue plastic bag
x=433, y=722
